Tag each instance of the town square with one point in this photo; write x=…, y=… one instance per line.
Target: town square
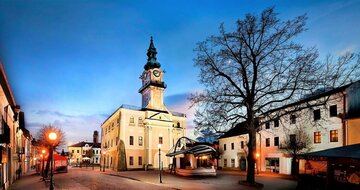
x=232, y=94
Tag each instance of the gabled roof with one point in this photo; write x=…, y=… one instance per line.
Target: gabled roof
x=239, y=129
x=82, y=144
x=350, y=151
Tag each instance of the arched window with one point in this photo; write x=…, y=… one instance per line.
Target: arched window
x=178, y=124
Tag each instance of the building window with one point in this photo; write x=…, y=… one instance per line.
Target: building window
x=276, y=141
x=232, y=146
x=78, y=151
x=178, y=125
x=97, y=160
x=292, y=119
x=267, y=142
x=131, y=140
x=112, y=143
x=132, y=120
x=140, y=140
x=233, y=163
x=333, y=111
x=276, y=123
x=116, y=141
x=112, y=126
x=292, y=140
x=334, y=136
x=131, y=161
x=118, y=120
x=140, y=160
x=242, y=144
x=73, y=151
x=267, y=125
x=160, y=140
x=225, y=163
x=224, y=147
x=140, y=121
x=317, y=137
x=317, y=115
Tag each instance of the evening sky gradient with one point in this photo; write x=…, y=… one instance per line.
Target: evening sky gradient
x=72, y=63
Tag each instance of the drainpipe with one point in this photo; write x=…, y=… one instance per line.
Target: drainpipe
x=343, y=121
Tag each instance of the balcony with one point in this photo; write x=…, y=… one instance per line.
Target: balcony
x=4, y=133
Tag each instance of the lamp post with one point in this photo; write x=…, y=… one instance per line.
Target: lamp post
x=159, y=146
x=43, y=151
x=52, y=140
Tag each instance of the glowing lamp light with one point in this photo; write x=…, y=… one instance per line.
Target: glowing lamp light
x=43, y=151
x=35, y=159
x=159, y=146
x=52, y=136
x=104, y=152
x=257, y=155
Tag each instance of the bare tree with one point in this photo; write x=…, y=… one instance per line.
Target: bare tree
x=42, y=141
x=296, y=143
x=259, y=67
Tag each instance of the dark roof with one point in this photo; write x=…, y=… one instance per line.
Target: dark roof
x=350, y=151
x=6, y=87
x=82, y=144
x=239, y=129
x=319, y=94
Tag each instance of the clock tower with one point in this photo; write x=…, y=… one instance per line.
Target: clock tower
x=153, y=86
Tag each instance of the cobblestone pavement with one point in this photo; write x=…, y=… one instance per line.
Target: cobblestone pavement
x=86, y=178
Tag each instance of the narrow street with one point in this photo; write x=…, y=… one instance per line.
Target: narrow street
x=86, y=178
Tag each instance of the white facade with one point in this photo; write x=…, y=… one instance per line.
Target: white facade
x=325, y=130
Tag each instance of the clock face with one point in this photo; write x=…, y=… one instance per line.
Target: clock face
x=156, y=73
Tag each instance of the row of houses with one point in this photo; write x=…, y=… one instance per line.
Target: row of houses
x=17, y=155
x=334, y=124
x=85, y=152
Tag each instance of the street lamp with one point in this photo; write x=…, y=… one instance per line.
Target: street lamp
x=258, y=161
x=52, y=140
x=159, y=146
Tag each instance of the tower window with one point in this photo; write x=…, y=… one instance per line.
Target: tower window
x=232, y=146
x=178, y=125
x=140, y=121
x=160, y=140
x=132, y=120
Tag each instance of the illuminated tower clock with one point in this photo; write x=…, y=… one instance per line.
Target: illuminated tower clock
x=153, y=86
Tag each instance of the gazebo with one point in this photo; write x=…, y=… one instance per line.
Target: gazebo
x=335, y=168
x=191, y=158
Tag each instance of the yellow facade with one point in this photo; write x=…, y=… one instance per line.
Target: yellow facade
x=131, y=135
x=353, y=131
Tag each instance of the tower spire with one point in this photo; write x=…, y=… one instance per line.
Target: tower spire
x=151, y=54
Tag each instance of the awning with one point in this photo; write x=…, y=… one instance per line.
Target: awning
x=350, y=151
x=196, y=150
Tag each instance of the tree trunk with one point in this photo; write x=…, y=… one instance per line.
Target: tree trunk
x=47, y=167
x=250, y=178
x=294, y=166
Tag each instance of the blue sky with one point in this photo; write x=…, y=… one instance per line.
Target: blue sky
x=72, y=63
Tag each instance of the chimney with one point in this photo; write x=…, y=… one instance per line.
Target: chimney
x=96, y=137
